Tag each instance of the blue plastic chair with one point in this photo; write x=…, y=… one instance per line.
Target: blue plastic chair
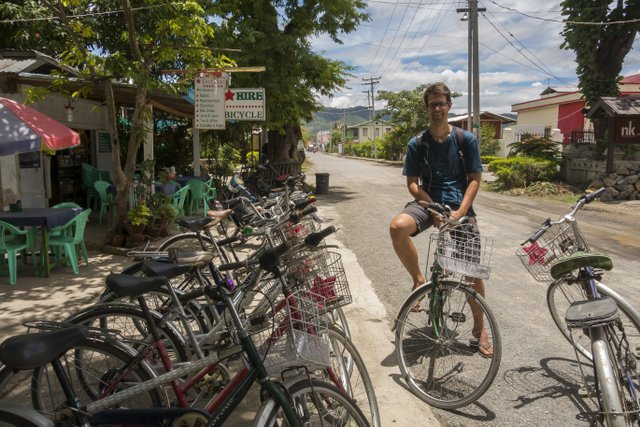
x=71, y=238
x=12, y=241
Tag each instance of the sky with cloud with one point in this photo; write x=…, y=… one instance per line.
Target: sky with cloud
x=411, y=42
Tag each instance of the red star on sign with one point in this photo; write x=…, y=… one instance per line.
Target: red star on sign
x=228, y=96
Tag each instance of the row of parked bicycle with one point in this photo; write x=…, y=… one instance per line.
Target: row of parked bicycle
x=249, y=294
x=252, y=294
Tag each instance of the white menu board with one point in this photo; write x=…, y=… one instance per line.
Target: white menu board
x=209, y=101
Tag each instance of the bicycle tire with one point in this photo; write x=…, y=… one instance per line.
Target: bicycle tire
x=21, y=416
x=561, y=294
x=160, y=300
x=90, y=364
x=427, y=362
x=606, y=372
x=189, y=242
x=131, y=322
x=352, y=372
x=319, y=402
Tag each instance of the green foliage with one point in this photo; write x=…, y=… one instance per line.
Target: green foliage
x=161, y=207
x=277, y=35
x=139, y=215
x=486, y=160
x=600, y=49
x=253, y=157
x=521, y=171
x=536, y=146
x=488, y=142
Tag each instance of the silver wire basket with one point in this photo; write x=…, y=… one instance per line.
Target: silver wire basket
x=294, y=335
x=556, y=244
x=462, y=250
x=321, y=272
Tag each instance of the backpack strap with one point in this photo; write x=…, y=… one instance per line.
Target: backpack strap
x=459, y=138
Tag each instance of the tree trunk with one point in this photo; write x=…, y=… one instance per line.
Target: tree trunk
x=284, y=148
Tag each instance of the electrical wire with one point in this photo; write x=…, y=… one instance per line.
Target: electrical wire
x=563, y=21
x=520, y=51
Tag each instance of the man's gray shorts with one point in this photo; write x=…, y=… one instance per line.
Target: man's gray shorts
x=422, y=217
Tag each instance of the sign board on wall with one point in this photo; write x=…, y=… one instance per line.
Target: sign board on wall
x=627, y=130
x=245, y=104
x=209, y=101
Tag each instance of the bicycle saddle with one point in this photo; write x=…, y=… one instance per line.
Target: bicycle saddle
x=32, y=351
x=579, y=260
x=133, y=286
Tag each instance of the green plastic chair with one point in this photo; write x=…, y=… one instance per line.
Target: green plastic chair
x=70, y=238
x=201, y=193
x=66, y=205
x=106, y=198
x=12, y=241
x=178, y=200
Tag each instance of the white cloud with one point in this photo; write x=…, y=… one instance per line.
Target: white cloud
x=407, y=45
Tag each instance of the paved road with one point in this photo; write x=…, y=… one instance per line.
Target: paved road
x=538, y=378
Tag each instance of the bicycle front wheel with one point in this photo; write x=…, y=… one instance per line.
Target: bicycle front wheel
x=561, y=294
x=317, y=404
x=350, y=375
x=437, y=344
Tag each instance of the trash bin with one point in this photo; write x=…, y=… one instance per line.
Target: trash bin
x=322, y=183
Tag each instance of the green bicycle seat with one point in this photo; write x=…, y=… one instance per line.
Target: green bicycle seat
x=579, y=260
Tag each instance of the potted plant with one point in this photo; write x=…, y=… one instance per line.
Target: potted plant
x=163, y=214
x=137, y=220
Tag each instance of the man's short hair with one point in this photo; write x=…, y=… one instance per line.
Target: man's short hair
x=438, y=88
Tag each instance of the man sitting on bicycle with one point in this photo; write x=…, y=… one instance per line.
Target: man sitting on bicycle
x=442, y=166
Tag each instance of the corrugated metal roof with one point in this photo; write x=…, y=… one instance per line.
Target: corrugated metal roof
x=624, y=106
x=9, y=65
x=633, y=79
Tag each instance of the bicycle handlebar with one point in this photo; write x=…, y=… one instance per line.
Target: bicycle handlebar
x=314, y=239
x=582, y=200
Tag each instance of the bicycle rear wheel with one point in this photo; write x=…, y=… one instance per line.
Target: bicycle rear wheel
x=317, y=404
x=437, y=345
x=14, y=415
x=91, y=367
x=561, y=294
x=607, y=373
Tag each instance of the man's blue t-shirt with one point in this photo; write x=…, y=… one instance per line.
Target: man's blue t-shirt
x=448, y=180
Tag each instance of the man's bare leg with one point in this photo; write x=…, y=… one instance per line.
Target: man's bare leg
x=484, y=345
x=401, y=228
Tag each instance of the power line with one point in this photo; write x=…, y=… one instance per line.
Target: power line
x=546, y=71
x=563, y=21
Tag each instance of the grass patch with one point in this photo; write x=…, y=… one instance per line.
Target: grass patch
x=545, y=190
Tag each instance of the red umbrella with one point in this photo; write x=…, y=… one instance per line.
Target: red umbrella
x=23, y=129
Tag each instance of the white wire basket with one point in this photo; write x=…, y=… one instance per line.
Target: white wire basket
x=556, y=244
x=295, y=233
x=294, y=335
x=321, y=272
x=463, y=251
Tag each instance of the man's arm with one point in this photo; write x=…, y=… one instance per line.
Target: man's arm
x=413, y=185
x=469, y=195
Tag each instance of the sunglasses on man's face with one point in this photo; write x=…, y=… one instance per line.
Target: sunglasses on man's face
x=434, y=105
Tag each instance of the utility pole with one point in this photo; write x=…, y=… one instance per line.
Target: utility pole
x=473, y=68
x=373, y=81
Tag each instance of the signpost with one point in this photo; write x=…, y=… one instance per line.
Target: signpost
x=209, y=101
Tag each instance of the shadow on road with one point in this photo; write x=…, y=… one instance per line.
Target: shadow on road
x=336, y=194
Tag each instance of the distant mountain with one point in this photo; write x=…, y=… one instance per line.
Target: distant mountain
x=329, y=118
